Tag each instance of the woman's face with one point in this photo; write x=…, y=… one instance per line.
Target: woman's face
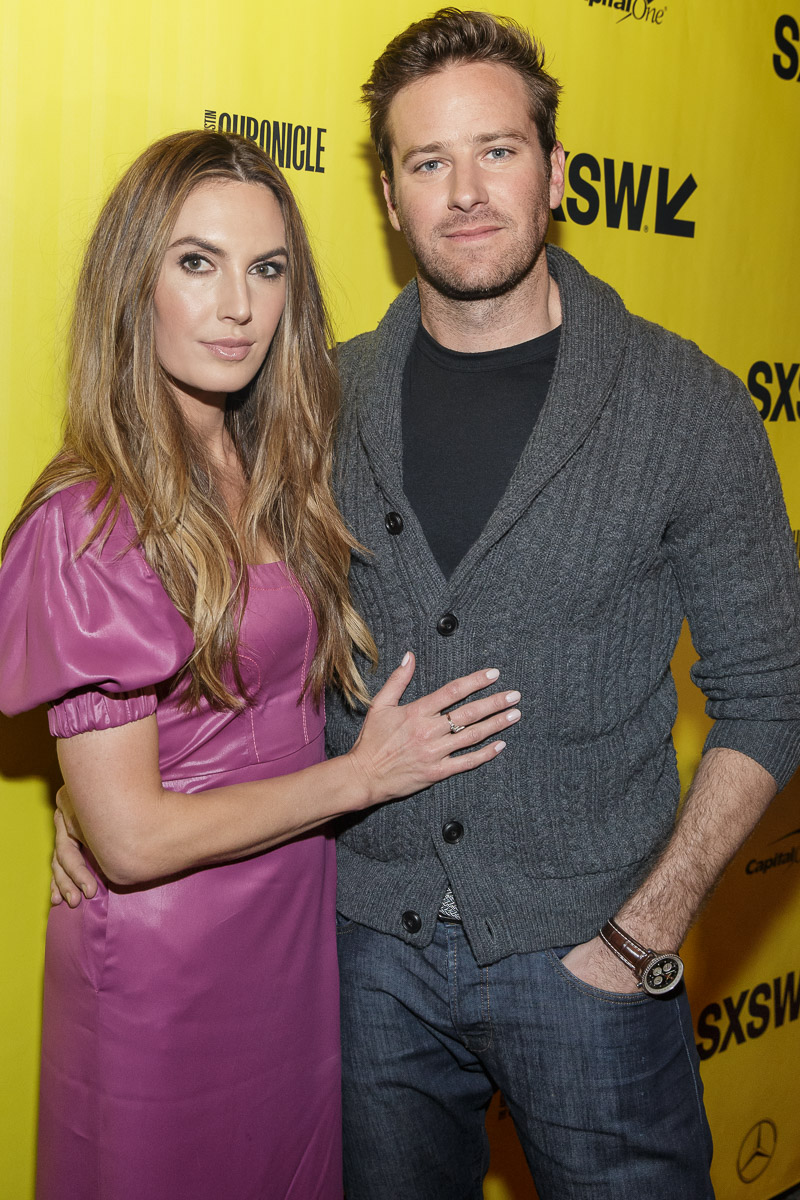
x=221, y=290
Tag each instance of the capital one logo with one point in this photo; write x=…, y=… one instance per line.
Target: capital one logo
x=756, y=1151
x=779, y=858
x=637, y=10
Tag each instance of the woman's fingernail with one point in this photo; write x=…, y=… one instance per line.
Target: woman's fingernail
x=406, y=657
x=512, y=697
x=514, y=715
x=493, y=674
x=498, y=746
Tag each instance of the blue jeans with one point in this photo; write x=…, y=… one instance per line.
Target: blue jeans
x=603, y=1088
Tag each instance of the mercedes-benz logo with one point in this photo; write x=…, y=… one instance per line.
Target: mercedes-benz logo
x=756, y=1151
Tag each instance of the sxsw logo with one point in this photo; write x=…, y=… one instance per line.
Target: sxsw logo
x=620, y=192
x=737, y=1020
x=787, y=39
x=633, y=10
x=775, y=387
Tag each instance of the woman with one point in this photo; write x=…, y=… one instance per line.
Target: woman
x=175, y=586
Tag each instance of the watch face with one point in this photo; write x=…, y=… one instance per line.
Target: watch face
x=662, y=974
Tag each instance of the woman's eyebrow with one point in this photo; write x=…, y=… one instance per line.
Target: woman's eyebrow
x=196, y=241
x=210, y=248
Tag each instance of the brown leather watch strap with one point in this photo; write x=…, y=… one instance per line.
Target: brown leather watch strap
x=657, y=973
x=632, y=953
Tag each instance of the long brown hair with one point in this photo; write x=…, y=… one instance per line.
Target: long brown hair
x=125, y=432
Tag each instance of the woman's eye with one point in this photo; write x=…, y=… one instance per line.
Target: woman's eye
x=194, y=263
x=270, y=270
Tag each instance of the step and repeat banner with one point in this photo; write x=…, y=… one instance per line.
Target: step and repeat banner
x=680, y=120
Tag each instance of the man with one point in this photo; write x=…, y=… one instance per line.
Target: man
x=550, y=484
x=546, y=484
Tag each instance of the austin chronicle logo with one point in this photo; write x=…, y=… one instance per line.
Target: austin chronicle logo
x=756, y=1151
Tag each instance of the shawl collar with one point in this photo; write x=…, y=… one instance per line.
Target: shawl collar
x=595, y=331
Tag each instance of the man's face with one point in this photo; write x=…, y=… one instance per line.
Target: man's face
x=471, y=192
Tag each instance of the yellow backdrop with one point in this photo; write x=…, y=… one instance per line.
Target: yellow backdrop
x=681, y=123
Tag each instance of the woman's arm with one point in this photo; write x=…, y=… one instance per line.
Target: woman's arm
x=138, y=830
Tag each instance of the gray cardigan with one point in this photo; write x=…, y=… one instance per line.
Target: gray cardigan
x=646, y=492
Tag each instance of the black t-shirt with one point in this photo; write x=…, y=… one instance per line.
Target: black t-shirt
x=466, y=419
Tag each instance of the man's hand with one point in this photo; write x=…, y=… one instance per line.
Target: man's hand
x=594, y=963
x=70, y=875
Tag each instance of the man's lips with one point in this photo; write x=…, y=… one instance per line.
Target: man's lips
x=469, y=233
x=231, y=349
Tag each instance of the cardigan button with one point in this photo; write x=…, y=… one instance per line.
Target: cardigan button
x=452, y=832
x=393, y=522
x=447, y=624
x=412, y=921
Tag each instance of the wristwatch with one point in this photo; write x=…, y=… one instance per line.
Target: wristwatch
x=656, y=973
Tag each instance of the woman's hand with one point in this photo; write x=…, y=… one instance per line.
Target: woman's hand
x=70, y=876
x=138, y=831
x=404, y=748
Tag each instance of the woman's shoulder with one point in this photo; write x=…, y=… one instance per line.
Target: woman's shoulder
x=78, y=614
x=71, y=516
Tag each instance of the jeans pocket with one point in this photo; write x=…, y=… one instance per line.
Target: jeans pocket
x=344, y=924
x=588, y=989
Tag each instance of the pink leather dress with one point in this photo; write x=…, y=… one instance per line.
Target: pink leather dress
x=191, y=1028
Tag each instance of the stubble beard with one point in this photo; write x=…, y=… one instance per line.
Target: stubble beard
x=465, y=281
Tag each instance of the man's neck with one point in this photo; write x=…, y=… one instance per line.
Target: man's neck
x=532, y=309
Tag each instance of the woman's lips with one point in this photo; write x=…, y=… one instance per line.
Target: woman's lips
x=231, y=349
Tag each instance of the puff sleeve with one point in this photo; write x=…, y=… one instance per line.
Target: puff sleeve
x=92, y=634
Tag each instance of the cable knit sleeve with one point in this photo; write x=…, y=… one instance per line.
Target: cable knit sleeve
x=736, y=565
x=91, y=633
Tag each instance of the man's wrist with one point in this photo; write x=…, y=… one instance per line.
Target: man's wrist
x=657, y=972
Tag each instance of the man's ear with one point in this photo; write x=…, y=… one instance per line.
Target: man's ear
x=557, y=162
x=389, y=198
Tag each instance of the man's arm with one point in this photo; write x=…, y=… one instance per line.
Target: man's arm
x=730, y=548
x=729, y=795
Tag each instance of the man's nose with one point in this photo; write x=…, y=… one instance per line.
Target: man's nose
x=467, y=186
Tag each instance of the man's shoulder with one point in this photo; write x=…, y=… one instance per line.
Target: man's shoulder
x=681, y=359
x=595, y=307
x=386, y=343
x=354, y=350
